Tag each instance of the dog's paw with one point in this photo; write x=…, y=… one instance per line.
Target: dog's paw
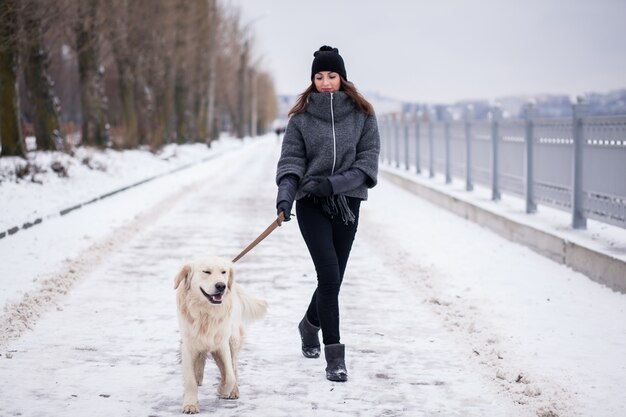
x=233, y=394
x=191, y=409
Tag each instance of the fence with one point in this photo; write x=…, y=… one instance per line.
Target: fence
x=576, y=164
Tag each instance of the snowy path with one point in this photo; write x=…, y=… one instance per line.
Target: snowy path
x=431, y=327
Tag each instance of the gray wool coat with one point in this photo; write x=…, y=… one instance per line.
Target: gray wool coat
x=331, y=137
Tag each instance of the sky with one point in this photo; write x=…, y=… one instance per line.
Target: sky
x=443, y=51
x=432, y=325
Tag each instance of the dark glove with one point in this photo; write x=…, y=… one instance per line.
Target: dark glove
x=322, y=189
x=284, y=207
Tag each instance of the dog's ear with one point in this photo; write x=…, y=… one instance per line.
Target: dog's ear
x=184, y=274
x=231, y=277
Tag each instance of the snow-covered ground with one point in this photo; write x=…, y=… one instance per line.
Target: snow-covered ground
x=55, y=181
x=439, y=315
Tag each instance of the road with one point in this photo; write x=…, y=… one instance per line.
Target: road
x=431, y=328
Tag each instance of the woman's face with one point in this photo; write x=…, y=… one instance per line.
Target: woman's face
x=327, y=81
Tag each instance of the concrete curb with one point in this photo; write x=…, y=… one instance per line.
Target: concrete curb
x=598, y=266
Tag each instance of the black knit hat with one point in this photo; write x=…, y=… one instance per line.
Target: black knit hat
x=327, y=58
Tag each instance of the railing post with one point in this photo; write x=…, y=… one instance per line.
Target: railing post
x=496, y=118
x=469, y=115
x=396, y=129
x=417, y=142
x=529, y=113
x=447, y=119
x=431, y=145
x=381, y=133
x=387, y=136
x=579, y=221
x=405, y=123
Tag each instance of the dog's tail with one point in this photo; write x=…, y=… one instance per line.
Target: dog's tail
x=251, y=308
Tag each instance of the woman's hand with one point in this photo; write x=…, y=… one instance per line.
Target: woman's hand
x=321, y=188
x=284, y=207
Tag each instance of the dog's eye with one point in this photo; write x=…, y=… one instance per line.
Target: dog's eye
x=207, y=272
x=223, y=272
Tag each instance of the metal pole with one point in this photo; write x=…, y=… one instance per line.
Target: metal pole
x=383, y=138
x=579, y=220
x=396, y=126
x=529, y=112
x=406, y=141
x=447, y=117
x=496, y=118
x=388, y=134
x=469, y=114
x=417, y=143
x=431, y=145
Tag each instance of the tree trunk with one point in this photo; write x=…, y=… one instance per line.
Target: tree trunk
x=180, y=99
x=213, y=22
x=201, y=116
x=11, y=142
x=180, y=77
x=129, y=112
x=95, y=128
x=241, y=92
x=121, y=29
x=162, y=115
x=44, y=104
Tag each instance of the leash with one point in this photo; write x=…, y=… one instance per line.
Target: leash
x=276, y=223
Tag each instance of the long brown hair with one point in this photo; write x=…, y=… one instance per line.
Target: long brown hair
x=347, y=86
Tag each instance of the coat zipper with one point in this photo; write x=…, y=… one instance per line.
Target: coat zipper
x=332, y=118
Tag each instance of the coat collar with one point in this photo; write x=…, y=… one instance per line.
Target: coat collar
x=319, y=105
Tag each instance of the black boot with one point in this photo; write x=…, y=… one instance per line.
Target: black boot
x=336, y=364
x=310, y=340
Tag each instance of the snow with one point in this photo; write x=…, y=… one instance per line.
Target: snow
x=99, y=172
x=439, y=315
x=598, y=236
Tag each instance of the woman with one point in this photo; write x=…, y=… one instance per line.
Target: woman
x=328, y=161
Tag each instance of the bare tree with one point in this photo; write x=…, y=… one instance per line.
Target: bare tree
x=162, y=63
x=214, y=27
x=123, y=35
x=155, y=70
x=227, y=85
x=266, y=103
x=95, y=127
x=44, y=104
x=202, y=44
x=10, y=132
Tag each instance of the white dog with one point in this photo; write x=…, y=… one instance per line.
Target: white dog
x=212, y=310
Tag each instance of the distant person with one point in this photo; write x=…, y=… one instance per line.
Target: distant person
x=329, y=159
x=279, y=130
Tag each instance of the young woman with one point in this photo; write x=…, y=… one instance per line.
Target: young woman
x=328, y=161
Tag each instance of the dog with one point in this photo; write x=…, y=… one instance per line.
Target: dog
x=212, y=310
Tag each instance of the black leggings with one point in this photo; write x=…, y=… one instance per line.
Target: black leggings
x=329, y=241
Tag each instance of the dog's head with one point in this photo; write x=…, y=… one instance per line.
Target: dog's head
x=210, y=278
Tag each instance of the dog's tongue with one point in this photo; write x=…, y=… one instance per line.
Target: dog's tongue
x=217, y=297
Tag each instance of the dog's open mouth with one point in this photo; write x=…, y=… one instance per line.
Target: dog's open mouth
x=213, y=298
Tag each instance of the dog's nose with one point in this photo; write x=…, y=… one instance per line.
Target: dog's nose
x=220, y=286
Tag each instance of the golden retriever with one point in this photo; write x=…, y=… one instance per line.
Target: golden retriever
x=212, y=310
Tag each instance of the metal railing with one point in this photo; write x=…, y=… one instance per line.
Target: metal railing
x=576, y=164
